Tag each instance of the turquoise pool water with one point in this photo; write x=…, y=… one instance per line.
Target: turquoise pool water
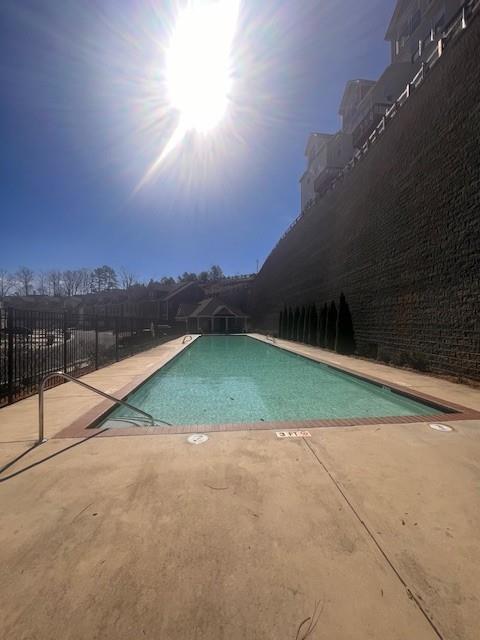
x=234, y=379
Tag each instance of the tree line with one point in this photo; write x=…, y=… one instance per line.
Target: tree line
x=71, y=282
x=326, y=327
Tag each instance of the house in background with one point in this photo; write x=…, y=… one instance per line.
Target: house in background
x=374, y=104
x=326, y=155
x=161, y=302
x=413, y=33
x=355, y=91
x=185, y=293
x=416, y=26
x=212, y=315
x=338, y=151
x=316, y=161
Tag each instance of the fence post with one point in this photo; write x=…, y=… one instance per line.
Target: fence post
x=96, y=342
x=440, y=47
x=10, y=354
x=65, y=342
x=116, y=338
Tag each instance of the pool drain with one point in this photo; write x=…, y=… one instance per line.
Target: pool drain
x=197, y=438
x=440, y=427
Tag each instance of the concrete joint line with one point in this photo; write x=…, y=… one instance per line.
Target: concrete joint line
x=410, y=593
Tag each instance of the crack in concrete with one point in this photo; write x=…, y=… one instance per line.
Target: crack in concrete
x=410, y=593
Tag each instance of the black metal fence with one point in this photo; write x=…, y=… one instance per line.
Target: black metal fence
x=35, y=343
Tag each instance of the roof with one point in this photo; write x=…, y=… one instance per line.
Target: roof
x=399, y=10
x=186, y=309
x=209, y=308
x=178, y=289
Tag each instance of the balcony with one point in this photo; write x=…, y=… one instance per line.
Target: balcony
x=368, y=123
x=325, y=178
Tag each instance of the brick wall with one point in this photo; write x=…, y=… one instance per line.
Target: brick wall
x=400, y=236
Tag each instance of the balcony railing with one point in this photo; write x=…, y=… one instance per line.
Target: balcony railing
x=325, y=177
x=369, y=122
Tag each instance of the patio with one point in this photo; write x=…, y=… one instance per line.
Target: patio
x=370, y=530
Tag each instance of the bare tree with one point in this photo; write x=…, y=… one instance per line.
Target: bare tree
x=42, y=283
x=85, y=281
x=24, y=277
x=127, y=278
x=55, y=282
x=7, y=283
x=72, y=281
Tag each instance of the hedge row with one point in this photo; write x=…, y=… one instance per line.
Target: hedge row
x=326, y=327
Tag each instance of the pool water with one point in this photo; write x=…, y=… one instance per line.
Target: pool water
x=237, y=379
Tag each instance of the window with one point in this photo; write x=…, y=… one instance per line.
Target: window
x=408, y=27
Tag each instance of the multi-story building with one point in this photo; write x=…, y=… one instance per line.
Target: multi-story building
x=374, y=104
x=355, y=92
x=413, y=32
x=416, y=25
x=326, y=155
x=315, y=153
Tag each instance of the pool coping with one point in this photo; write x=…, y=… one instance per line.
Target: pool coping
x=81, y=427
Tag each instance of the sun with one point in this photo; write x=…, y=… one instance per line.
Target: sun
x=198, y=70
x=198, y=62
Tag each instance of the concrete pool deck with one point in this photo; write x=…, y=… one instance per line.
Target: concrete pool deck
x=374, y=528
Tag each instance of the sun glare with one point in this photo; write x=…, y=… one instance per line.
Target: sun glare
x=198, y=66
x=198, y=69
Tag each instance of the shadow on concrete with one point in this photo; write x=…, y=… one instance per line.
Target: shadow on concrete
x=19, y=457
x=35, y=464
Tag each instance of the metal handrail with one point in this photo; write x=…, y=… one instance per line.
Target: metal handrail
x=270, y=337
x=185, y=337
x=66, y=376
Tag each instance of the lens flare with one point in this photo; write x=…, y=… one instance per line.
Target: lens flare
x=199, y=69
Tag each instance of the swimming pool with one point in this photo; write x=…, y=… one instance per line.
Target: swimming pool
x=238, y=379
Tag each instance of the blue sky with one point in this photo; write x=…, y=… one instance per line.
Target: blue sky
x=83, y=116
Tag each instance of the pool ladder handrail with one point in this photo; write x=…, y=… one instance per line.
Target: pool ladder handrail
x=269, y=337
x=66, y=376
x=185, y=337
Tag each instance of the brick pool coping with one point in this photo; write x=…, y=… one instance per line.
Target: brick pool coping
x=81, y=427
